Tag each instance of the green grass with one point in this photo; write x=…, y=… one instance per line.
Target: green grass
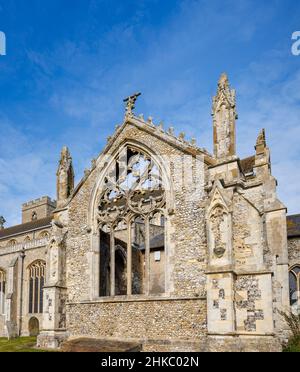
x=293, y=346
x=20, y=344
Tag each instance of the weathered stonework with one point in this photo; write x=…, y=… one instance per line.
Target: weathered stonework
x=160, y=243
x=156, y=319
x=294, y=251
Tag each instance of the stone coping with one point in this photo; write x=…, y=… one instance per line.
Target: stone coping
x=121, y=299
x=238, y=272
x=241, y=334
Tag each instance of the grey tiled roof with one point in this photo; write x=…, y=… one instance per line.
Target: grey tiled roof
x=22, y=228
x=293, y=225
x=247, y=164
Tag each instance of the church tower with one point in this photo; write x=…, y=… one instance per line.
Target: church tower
x=65, y=177
x=224, y=116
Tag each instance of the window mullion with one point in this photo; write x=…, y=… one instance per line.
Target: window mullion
x=112, y=262
x=147, y=255
x=129, y=260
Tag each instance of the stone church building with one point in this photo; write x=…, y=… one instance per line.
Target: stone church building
x=160, y=243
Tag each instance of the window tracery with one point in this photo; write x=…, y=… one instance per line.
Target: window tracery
x=294, y=281
x=36, y=286
x=133, y=193
x=2, y=291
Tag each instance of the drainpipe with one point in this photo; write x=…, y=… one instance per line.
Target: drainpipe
x=22, y=256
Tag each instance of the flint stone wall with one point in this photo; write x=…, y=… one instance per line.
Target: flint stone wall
x=150, y=319
x=186, y=230
x=294, y=251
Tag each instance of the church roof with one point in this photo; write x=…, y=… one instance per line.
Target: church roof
x=25, y=227
x=247, y=164
x=293, y=225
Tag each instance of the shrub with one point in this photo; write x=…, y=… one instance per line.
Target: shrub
x=293, y=322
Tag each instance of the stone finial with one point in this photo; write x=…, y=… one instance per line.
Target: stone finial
x=225, y=96
x=223, y=81
x=181, y=136
x=224, y=115
x=261, y=139
x=65, y=177
x=130, y=104
x=193, y=142
x=161, y=126
x=261, y=142
x=171, y=131
x=141, y=116
x=2, y=222
x=150, y=121
x=262, y=157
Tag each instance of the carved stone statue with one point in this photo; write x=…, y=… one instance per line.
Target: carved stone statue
x=217, y=219
x=130, y=104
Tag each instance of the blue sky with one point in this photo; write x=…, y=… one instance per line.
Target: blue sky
x=69, y=64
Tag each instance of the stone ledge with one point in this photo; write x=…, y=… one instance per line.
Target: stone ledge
x=135, y=299
x=238, y=334
x=238, y=272
x=99, y=345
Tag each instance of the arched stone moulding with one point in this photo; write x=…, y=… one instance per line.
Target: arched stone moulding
x=131, y=208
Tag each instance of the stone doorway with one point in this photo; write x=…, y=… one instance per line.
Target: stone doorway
x=33, y=327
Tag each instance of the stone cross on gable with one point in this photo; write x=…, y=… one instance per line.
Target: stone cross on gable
x=2, y=222
x=130, y=103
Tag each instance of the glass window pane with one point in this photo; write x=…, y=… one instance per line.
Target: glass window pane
x=30, y=295
x=41, y=294
x=36, y=285
x=293, y=288
x=36, y=295
x=296, y=269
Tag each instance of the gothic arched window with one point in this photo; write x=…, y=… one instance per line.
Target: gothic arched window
x=294, y=280
x=44, y=235
x=131, y=220
x=36, y=286
x=12, y=242
x=2, y=291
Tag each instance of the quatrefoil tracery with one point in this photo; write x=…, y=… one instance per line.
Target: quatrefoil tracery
x=132, y=186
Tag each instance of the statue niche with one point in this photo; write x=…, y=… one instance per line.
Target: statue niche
x=218, y=230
